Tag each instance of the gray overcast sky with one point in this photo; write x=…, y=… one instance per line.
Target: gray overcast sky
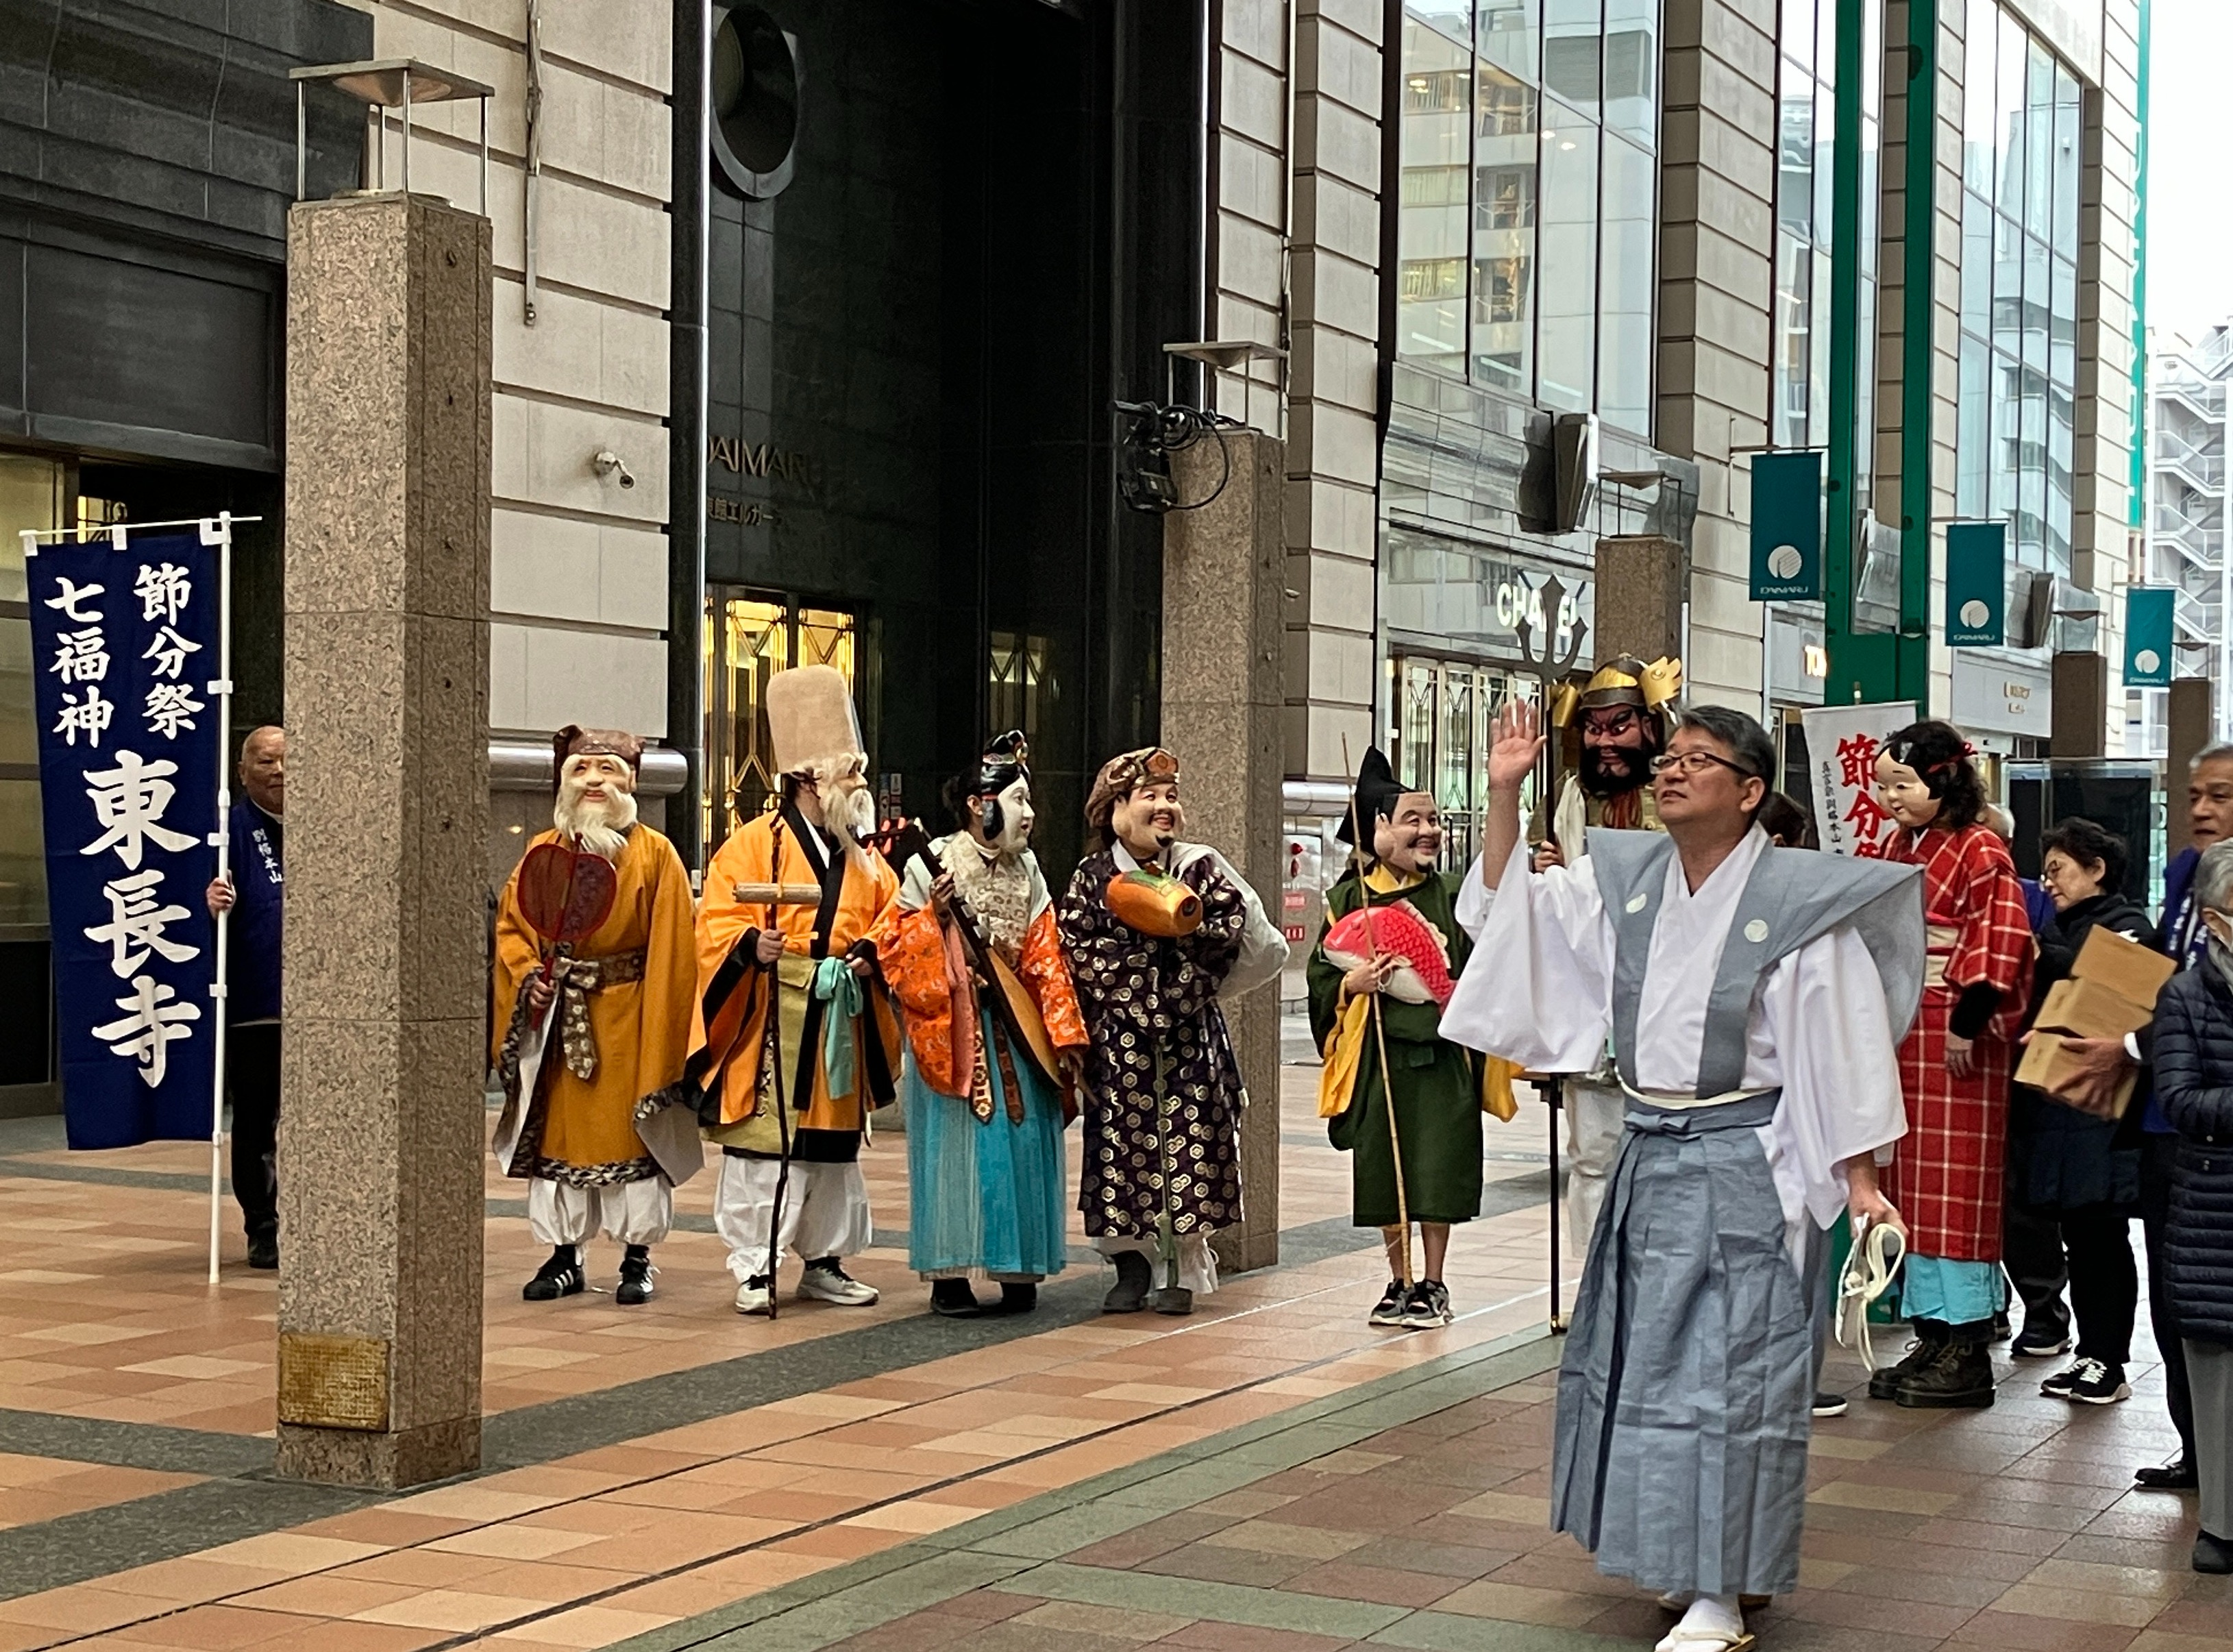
x=2190, y=207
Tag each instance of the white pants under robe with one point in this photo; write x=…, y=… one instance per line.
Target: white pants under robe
x=825, y=1212
x=1595, y=1116
x=632, y=1212
x=1197, y=1262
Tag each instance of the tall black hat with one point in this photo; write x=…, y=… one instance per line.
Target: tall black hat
x=1377, y=789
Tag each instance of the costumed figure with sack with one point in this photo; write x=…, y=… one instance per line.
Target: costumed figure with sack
x=1954, y=1067
x=1755, y=997
x=795, y=1038
x=995, y=1044
x=1391, y=933
x=1154, y=931
x=594, y=978
x=1623, y=713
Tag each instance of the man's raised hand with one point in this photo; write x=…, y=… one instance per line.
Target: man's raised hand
x=1517, y=745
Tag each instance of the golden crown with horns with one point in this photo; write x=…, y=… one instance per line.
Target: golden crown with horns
x=1624, y=681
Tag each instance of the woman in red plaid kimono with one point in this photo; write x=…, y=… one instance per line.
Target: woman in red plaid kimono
x=1953, y=1066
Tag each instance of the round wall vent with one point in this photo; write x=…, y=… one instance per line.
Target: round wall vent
x=753, y=124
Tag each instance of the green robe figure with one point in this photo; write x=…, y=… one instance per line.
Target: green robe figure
x=1438, y=1086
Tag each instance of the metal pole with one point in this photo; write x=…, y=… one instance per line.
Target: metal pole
x=484, y=103
x=221, y=691
x=302, y=141
x=1553, y=1097
x=407, y=132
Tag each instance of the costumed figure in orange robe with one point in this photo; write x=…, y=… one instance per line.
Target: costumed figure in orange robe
x=994, y=1039
x=590, y=1035
x=792, y=904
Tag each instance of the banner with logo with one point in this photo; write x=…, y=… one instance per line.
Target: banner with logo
x=125, y=635
x=1787, y=527
x=1842, y=743
x=1976, y=584
x=2149, y=615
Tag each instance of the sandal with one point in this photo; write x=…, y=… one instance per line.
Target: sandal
x=1702, y=1640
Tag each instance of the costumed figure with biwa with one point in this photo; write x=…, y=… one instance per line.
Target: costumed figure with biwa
x=1153, y=930
x=995, y=1044
x=1755, y=997
x=795, y=1038
x=1948, y=1175
x=594, y=979
x=1392, y=934
x=1623, y=712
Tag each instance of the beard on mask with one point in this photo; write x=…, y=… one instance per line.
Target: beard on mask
x=848, y=808
x=600, y=826
x=1601, y=772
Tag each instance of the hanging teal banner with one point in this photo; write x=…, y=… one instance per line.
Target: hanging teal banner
x=2148, y=651
x=1787, y=527
x=1976, y=584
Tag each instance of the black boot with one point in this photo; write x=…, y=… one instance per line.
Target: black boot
x=1929, y=1337
x=635, y=1277
x=263, y=1249
x=1018, y=1297
x=1960, y=1378
x=1130, y=1294
x=559, y=1276
x=954, y=1298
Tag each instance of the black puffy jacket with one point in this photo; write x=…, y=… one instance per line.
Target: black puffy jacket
x=2194, y=1084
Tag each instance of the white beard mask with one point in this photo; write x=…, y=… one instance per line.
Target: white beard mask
x=602, y=827
x=848, y=808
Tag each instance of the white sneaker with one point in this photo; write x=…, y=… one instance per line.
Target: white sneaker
x=827, y=1282
x=752, y=1297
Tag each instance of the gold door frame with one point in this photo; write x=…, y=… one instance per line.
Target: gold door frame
x=750, y=634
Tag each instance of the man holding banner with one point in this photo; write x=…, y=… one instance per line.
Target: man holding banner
x=252, y=888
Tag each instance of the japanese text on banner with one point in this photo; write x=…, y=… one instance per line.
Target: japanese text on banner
x=1842, y=743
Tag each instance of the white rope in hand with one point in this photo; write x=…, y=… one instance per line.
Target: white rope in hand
x=1875, y=1256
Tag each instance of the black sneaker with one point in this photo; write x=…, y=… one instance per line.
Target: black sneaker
x=1130, y=1294
x=2091, y=1382
x=1428, y=1307
x=264, y=1252
x=2042, y=1343
x=954, y=1299
x=635, y=1285
x=1389, y=1310
x=1829, y=1405
x=559, y=1276
x=1018, y=1297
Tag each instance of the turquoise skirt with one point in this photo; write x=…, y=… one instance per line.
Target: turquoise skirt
x=985, y=1198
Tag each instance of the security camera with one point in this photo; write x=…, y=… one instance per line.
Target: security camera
x=609, y=463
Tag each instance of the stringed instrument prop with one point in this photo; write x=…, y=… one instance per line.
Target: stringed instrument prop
x=1154, y=903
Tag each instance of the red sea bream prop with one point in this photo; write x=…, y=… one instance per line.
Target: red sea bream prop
x=1424, y=975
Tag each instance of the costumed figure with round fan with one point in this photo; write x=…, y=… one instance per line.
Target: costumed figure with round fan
x=1156, y=931
x=1623, y=713
x=995, y=1044
x=795, y=1038
x=594, y=981
x=1391, y=932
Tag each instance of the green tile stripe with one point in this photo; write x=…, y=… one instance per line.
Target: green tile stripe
x=1022, y=1543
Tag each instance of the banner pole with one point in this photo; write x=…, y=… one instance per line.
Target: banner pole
x=222, y=691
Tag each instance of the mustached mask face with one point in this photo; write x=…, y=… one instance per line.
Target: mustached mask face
x=1003, y=822
x=1616, y=750
x=596, y=802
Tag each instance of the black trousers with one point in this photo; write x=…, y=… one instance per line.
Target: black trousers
x=2031, y=1250
x=251, y=1084
x=2156, y=1153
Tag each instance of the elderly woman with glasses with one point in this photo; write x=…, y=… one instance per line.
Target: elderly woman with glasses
x=1953, y=1066
x=2194, y=1088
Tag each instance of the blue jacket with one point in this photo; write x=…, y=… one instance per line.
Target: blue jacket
x=2194, y=1085
x=260, y=887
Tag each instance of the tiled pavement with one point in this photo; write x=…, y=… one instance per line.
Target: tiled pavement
x=1268, y=1474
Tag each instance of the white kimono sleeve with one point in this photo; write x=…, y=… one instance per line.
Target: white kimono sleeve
x=1538, y=988
x=1824, y=1009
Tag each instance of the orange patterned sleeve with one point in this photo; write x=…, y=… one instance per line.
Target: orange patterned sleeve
x=912, y=956
x=1047, y=973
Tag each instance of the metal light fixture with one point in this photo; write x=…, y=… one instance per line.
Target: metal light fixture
x=1219, y=355
x=382, y=84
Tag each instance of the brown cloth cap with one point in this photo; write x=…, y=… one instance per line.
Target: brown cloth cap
x=1120, y=776
x=574, y=741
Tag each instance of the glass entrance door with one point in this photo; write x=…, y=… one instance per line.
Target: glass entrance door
x=1445, y=711
x=750, y=636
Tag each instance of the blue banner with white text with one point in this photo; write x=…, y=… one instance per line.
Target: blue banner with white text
x=124, y=650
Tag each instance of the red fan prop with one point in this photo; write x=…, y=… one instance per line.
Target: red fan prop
x=564, y=894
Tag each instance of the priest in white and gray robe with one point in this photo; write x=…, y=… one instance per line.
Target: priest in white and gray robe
x=1755, y=997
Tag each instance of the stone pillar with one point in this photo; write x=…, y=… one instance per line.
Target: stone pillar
x=1224, y=692
x=381, y=1123
x=1642, y=584
x=2080, y=728
x=2193, y=725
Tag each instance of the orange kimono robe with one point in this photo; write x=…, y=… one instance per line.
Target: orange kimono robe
x=628, y=987
x=730, y=1043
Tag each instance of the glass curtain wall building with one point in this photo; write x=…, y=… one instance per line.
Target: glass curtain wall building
x=2022, y=155
x=1528, y=201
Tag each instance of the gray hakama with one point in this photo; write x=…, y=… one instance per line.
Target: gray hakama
x=1680, y=1453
